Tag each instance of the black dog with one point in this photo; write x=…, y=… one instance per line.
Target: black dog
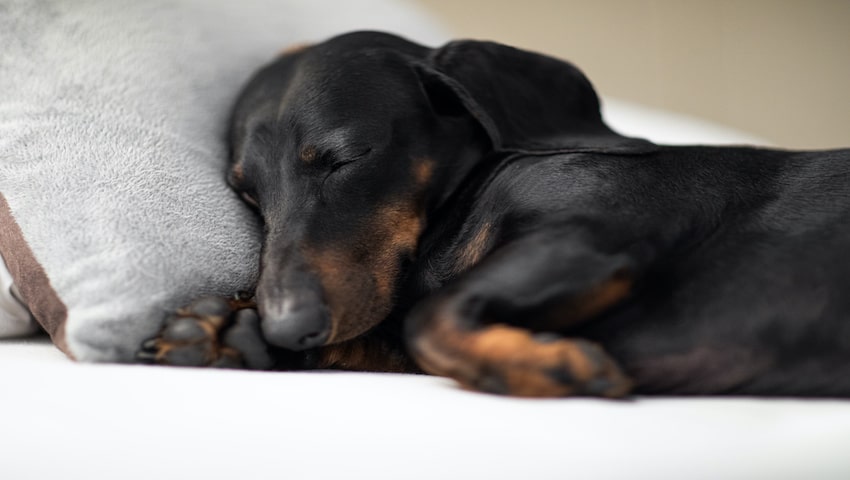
x=474, y=193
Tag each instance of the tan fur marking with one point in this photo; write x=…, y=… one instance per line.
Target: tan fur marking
x=400, y=226
x=340, y=281
x=474, y=250
x=359, y=278
x=308, y=153
x=367, y=354
x=587, y=304
x=522, y=364
x=210, y=326
x=239, y=302
x=210, y=323
x=238, y=173
x=603, y=296
x=423, y=170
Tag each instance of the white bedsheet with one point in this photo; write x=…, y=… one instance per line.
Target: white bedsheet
x=65, y=420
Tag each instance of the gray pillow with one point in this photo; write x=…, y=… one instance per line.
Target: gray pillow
x=113, y=205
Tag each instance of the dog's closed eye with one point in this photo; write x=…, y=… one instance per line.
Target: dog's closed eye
x=341, y=163
x=357, y=153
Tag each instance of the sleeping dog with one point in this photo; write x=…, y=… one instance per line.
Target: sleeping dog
x=468, y=208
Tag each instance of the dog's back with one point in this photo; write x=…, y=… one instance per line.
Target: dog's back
x=745, y=289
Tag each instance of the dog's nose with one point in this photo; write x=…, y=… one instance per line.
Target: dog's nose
x=295, y=326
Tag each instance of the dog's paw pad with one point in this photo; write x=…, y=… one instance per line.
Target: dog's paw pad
x=212, y=332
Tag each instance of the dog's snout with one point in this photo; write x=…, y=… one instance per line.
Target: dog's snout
x=295, y=323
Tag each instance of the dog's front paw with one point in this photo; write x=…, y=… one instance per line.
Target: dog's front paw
x=211, y=331
x=512, y=361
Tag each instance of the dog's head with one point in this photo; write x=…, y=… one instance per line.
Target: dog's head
x=346, y=146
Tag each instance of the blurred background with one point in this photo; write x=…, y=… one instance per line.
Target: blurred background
x=779, y=69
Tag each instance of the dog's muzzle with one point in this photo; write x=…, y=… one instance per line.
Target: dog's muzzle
x=295, y=320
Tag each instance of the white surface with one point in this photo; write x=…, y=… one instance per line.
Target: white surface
x=131, y=422
x=15, y=320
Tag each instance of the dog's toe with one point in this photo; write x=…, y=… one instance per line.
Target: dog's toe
x=246, y=337
x=184, y=329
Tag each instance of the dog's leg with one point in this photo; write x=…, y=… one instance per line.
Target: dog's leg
x=493, y=329
x=213, y=332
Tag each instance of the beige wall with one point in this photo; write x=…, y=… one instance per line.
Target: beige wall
x=776, y=68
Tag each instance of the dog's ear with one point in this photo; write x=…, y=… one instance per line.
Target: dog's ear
x=527, y=102
x=448, y=98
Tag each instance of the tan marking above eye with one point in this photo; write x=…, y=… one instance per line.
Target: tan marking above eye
x=308, y=153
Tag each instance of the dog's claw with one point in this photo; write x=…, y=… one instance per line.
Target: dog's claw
x=146, y=355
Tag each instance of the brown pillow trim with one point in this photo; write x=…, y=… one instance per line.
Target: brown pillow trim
x=31, y=279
